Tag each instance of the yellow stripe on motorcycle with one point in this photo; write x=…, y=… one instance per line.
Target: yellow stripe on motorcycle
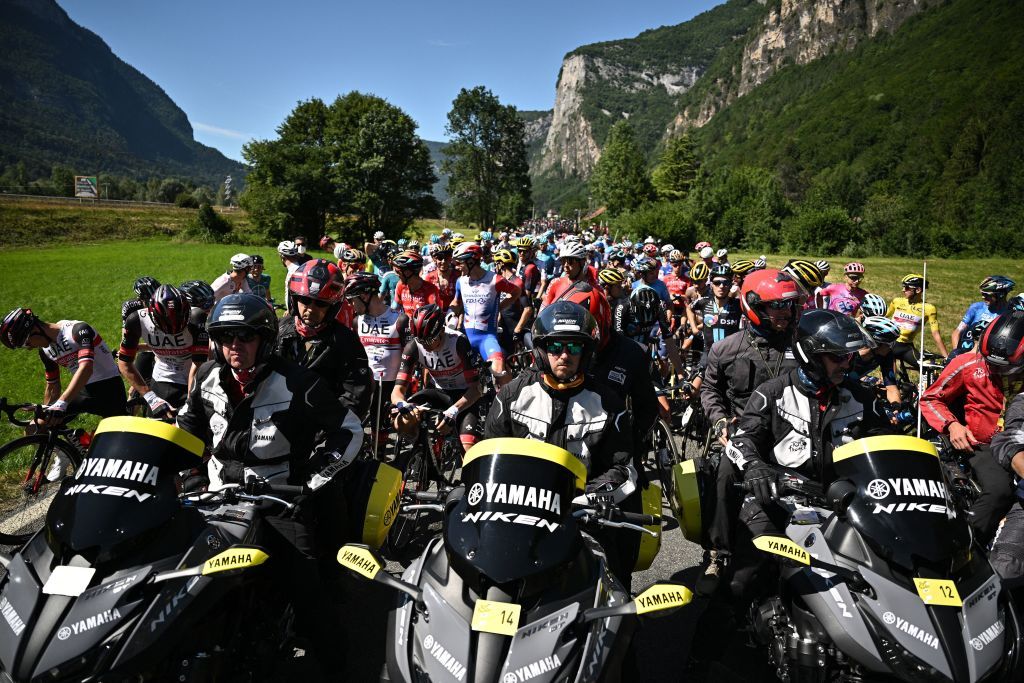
x=161, y=430
x=530, y=448
x=382, y=505
x=889, y=444
x=649, y=545
x=687, y=500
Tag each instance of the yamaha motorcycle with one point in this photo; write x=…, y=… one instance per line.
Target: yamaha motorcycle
x=881, y=579
x=129, y=581
x=517, y=588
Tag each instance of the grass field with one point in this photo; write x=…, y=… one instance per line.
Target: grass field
x=90, y=281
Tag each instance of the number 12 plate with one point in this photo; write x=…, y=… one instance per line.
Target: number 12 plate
x=938, y=592
x=496, y=617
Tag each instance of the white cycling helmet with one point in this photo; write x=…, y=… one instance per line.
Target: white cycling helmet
x=287, y=248
x=339, y=249
x=649, y=240
x=722, y=253
x=241, y=262
x=874, y=305
x=707, y=252
x=667, y=249
x=573, y=250
x=379, y=235
x=824, y=266
x=882, y=329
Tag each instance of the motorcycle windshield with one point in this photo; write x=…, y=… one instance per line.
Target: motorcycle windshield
x=515, y=519
x=902, y=507
x=124, y=487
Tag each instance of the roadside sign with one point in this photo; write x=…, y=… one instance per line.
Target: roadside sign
x=86, y=186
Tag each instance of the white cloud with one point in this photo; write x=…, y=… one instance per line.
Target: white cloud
x=223, y=132
x=440, y=43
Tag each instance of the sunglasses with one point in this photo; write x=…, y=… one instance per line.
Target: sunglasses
x=854, y=276
x=779, y=305
x=307, y=301
x=844, y=358
x=721, y=283
x=557, y=348
x=244, y=336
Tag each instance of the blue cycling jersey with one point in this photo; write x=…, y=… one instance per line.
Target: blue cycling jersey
x=658, y=286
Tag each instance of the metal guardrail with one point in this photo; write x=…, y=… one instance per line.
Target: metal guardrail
x=99, y=202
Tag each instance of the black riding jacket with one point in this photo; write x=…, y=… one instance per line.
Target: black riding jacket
x=623, y=365
x=736, y=366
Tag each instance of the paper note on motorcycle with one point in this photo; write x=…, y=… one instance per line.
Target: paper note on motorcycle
x=492, y=616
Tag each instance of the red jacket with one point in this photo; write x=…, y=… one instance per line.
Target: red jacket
x=967, y=380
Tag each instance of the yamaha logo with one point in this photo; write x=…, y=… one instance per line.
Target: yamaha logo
x=428, y=642
x=889, y=618
x=977, y=644
x=878, y=489
x=476, y=493
x=64, y=633
x=509, y=678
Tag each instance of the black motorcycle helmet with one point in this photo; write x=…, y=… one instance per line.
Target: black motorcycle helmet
x=198, y=293
x=145, y=286
x=1002, y=345
x=564, y=321
x=244, y=312
x=820, y=332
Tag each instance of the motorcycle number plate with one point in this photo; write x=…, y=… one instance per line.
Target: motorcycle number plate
x=491, y=616
x=938, y=592
x=68, y=581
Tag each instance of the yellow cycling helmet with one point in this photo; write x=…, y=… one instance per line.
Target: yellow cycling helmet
x=804, y=272
x=503, y=256
x=743, y=266
x=456, y=241
x=611, y=276
x=700, y=272
x=914, y=280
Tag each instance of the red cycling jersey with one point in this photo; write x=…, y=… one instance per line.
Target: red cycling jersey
x=410, y=300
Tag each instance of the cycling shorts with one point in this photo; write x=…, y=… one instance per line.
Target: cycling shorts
x=105, y=398
x=485, y=343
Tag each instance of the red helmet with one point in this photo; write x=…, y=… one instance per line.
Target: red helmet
x=701, y=245
x=651, y=249
x=1002, y=345
x=315, y=279
x=16, y=327
x=426, y=322
x=766, y=287
x=326, y=241
x=596, y=302
x=468, y=251
x=408, y=260
x=170, y=309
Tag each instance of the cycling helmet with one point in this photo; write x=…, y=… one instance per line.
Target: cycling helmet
x=997, y=286
x=504, y=256
x=145, y=286
x=701, y=245
x=626, y=244
x=675, y=256
x=17, y=326
x=616, y=255
x=169, y=309
x=573, y=250
x=469, y=251
x=645, y=305
x=824, y=266
x=700, y=272
x=257, y=260
x=1016, y=303
x=287, y=248
x=667, y=249
x=435, y=239
x=353, y=256
x=611, y=276
x=722, y=253
x=241, y=262
x=707, y=252
x=882, y=329
x=379, y=235
x=198, y=293
x=853, y=268
x=651, y=249
x=402, y=243
x=1002, y=345
x=721, y=270
x=978, y=330
x=525, y=242
x=873, y=305
x=439, y=251
x=326, y=241
x=447, y=232
x=239, y=312
x=456, y=240
x=414, y=245
x=806, y=274
x=764, y=289
x=408, y=260
x=913, y=280
x=316, y=279
x=426, y=323
x=360, y=283
x=742, y=266
x=649, y=240
x=760, y=263
x=487, y=236
x=820, y=332
x=568, y=321
x=387, y=249
x=644, y=264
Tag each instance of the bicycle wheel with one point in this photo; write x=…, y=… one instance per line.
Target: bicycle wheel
x=25, y=494
x=415, y=477
x=446, y=458
x=695, y=432
x=666, y=456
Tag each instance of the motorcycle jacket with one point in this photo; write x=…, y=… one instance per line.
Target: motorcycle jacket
x=736, y=366
x=588, y=419
x=335, y=354
x=1010, y=441
x=788, y=423
x=968, y=386
x=271, y=426
x=623, y=366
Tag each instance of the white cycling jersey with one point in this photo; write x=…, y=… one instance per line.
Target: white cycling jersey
x=77, y=342
x=382, y=340
x=174, y=352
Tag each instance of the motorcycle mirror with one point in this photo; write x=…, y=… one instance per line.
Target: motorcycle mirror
x=840, y=495
x=234, y=558
x=791, y=550
x=363, y=561
x=660, y=596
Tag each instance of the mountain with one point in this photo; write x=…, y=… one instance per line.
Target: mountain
x=436, y=157
x=68, y=99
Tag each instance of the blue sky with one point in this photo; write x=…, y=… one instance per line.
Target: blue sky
x=237, y=68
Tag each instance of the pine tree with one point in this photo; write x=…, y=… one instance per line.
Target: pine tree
x=620, y=181
x=676, y=170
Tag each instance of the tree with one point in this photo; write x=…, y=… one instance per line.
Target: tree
x=488, y=175
x=620, y=181
x=676, y=170
x=63, y=180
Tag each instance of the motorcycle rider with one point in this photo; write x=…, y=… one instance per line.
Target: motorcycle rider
x=736, y=365
x=267, y=419
x=311, y=336
x=560, y=403
x=1007, y=344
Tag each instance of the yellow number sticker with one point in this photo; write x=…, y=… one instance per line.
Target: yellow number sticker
x=938, y=592
x=496, y=617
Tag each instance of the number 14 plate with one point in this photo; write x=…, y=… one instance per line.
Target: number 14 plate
x=938, y=592
x=496, y=617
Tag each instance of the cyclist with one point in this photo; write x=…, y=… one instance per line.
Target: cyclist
x=651, y=331
x=620, y=316
x=846, y=297
x=741, y=268
x=478, y=302
x=447, y=356
x=966, y=404
x=95, y=385
x=389, y=277
x=443, y=276
x=533, y=277
x=175, y=333
x=575, y=274
x=716, y=315
x=412, y=291
x=311, y=336
x=350, y=261
x=558, y=402
x=676, y=280
x=994, y=291
x=235, y=280
x=200, y=295
x=516, y=318
x=646, y=270
x=291, y=259
x=259, y=282
x=908, y=312
x=327, y=243
x=144, y=288
x=884, y=332
x=810, y=278
x=266, y=418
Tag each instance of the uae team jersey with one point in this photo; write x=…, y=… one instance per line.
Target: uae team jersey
x=382, y=337
x=77, y=343
x=174, y=352
x=480, y=299
x=449, y=367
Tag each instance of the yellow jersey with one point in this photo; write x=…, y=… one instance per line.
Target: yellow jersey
x=908, y=318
